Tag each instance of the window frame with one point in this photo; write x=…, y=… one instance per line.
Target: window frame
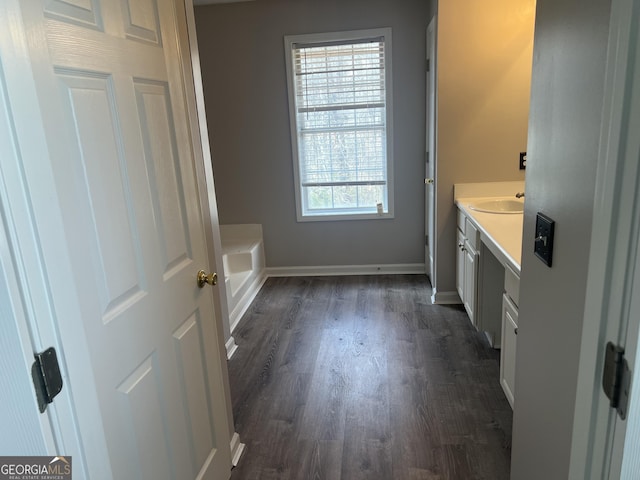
x=352, y=36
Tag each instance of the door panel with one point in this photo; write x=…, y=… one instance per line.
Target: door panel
x=158, y=136
x=112, y=234
x=141, y=20
x=188, y=344
x=140, y=405
x=81, y=12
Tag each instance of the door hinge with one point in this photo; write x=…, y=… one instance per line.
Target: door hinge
x=426, y=240
x=616, y=379
x=47, y=378
x=428, y=66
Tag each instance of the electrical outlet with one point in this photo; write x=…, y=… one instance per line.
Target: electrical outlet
x=523, y=160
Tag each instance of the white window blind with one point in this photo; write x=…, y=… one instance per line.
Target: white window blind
x=340, y=123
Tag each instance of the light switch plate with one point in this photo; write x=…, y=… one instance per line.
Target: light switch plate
x=543, y=244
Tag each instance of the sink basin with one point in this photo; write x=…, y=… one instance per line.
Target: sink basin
x=505, y=205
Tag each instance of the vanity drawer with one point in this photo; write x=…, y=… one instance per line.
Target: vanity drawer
x=512, y=285
x=461, y=221
x=473, y=237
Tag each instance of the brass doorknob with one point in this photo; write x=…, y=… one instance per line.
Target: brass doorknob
x=211, y=279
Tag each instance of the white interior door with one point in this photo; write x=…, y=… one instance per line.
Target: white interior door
x=430, y=167
x=136, y=335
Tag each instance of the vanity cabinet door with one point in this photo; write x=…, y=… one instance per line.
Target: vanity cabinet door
x=470, y=276
x=460, y=259
x=508, y=350
x=467, y=265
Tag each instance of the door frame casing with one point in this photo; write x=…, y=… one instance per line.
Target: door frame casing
x=431, y=263
x=199, y=129
x=598, y=437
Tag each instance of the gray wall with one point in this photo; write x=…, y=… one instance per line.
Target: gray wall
x=242, y=57
x=564, y=128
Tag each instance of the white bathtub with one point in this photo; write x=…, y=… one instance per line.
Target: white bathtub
x=244, y=266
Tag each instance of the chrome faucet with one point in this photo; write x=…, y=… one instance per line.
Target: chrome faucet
x=520, y=195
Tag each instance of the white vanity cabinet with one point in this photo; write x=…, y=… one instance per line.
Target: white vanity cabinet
x=510, y=300
x=468, y=240
x=488, y=256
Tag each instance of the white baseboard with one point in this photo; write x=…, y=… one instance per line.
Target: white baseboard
x=492, y=341
x=311, y=271
x=236, y=449
x=445, y=298
x=231, y=347
x=245, y=301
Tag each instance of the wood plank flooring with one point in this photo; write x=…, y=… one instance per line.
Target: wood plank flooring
x=361, y=378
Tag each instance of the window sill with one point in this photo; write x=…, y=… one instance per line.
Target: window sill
x=343, y=217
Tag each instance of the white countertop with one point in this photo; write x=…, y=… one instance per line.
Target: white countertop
x=501, y=233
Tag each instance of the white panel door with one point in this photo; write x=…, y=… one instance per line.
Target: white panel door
x=110, y=91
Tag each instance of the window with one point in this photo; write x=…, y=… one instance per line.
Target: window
x=341, y=129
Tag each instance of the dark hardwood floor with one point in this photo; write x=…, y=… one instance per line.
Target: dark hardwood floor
x=361, y=378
